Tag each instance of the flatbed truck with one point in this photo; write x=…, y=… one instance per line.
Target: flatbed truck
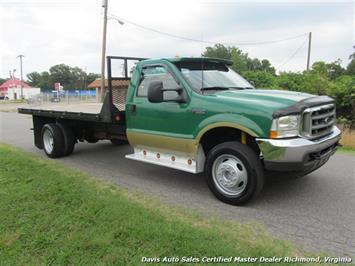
x=198, y=115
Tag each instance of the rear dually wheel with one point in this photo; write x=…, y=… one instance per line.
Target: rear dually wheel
x=53, y=140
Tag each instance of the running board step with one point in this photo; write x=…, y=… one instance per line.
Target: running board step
x=164, y=159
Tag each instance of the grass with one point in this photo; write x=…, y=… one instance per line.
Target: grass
x=54, y=215
x=347, y=137
x=347, y=150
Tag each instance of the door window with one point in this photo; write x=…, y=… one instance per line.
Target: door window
x=158, y=73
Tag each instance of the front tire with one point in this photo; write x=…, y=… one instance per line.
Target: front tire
x=53, y=140
x=234, y=173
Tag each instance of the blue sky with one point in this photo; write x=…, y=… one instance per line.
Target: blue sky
x=49, y=33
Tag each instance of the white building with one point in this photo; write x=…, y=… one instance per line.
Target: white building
x=11, y=89
x=15, y=93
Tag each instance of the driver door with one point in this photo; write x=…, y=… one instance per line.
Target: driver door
x=161, y=126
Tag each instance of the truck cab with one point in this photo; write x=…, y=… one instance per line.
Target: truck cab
x=198, y=115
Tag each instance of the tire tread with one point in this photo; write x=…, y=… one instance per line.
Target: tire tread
x=252, y=162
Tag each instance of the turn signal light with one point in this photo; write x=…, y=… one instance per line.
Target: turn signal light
x=273, y=134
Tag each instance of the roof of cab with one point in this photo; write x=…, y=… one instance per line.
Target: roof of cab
x=196, y=59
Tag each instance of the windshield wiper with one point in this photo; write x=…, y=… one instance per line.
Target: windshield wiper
x=242, y=88
x=215, y=88
x=219, y=88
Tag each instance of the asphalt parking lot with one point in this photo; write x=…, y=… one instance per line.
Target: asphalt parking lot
x=317, y=212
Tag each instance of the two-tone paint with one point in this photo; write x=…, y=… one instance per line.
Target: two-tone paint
x=172, y=127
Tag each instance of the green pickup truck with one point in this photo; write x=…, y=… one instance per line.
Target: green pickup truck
x=198, y=115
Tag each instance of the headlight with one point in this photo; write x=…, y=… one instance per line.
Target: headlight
x=285, y=127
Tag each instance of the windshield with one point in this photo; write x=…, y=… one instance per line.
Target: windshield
x=212, y=77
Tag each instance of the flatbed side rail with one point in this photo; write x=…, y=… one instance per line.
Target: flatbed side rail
x=60, y=114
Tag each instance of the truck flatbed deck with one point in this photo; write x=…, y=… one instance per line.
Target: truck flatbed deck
x=91, y=122
x=82, y=111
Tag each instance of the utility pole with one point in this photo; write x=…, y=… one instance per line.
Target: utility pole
x=103, y=53
x=309, y=49
x=21, y=56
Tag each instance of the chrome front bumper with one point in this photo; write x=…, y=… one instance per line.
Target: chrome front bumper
x=298, y=154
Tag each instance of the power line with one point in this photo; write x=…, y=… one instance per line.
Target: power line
x=294, y=53
x=202, y=41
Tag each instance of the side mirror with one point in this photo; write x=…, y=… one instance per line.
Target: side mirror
x=155, y=92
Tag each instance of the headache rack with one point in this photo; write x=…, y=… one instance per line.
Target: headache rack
x=115, y=99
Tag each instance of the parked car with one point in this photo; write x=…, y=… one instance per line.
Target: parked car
x=3, y=97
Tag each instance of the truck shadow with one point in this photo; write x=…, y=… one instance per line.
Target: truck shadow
x=108, y=161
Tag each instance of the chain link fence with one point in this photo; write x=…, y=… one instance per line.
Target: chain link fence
x=63, y=97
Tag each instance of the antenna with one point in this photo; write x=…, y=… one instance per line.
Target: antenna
x=202, y=66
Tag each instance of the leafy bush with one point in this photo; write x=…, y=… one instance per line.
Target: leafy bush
x=343, y=92
x=323, y=79
x=261, y=79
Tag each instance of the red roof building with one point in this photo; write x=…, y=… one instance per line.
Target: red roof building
x=13, y=83
x=119, y=90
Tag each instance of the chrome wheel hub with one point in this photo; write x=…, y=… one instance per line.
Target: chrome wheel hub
x=229, y=175
x=48, y=141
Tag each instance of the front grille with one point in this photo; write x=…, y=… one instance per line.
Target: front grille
x=318, y=121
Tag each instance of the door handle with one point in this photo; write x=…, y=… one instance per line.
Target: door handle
x=133, y=108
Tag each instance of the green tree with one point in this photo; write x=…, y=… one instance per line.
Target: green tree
x=241, y=61
x=323, y=79
x=266, y=66
x=62, y=73
x=335, y=69
x=317, y=84
x=77, y=78
x=40, y=80
x=261, y=79
x=320, y=68
x=46, y=81
x=69, y=77
x=350, y=70
x=2, y=80
x=218, y=51
x=34, y=79
x=91, y=77
x=292, y=81
x=343, y=92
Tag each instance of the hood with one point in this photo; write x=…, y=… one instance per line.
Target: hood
x=258, y=107
x=266, y=100
x=275, y=102
x=279, y=97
